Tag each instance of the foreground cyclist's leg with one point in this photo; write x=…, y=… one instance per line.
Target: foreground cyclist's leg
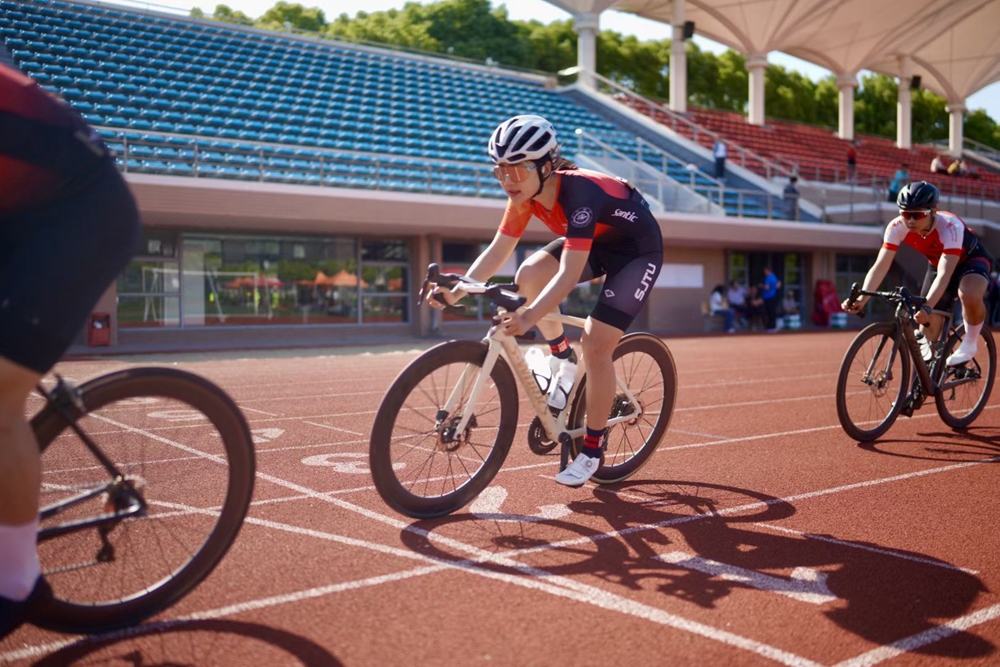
x=62, y=256
x=970, y=291
x=19, y=483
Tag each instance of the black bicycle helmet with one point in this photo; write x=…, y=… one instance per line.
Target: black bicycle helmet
x=917, y=196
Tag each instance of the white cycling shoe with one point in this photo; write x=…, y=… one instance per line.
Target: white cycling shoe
x=962, y=354
x=579, y=471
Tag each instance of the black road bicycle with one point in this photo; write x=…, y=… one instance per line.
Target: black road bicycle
x=132, y=519
x=874, y=386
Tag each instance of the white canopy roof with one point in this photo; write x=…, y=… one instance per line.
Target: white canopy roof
x=954, y=45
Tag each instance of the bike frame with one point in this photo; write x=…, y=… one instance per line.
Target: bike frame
x=63, y=397
x=503, y=344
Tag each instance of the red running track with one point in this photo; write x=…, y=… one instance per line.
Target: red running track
x=758, y=533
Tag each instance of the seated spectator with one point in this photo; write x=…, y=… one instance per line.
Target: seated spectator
x=901, y=178
x=970, y=170
x=717, y=305
x=789, y=305
x=954, y=169
x=937, y=165
x=736, y=295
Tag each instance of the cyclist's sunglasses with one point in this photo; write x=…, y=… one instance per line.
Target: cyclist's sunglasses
x=515, y=172
x=913, y=215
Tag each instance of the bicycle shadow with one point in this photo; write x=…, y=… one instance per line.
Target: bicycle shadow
x=702, y=543
x=194, y=643
x=948, y=446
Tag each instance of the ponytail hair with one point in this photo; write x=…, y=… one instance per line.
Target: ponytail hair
x=560, y=163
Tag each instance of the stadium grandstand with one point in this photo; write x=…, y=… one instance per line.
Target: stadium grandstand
x=293, y=189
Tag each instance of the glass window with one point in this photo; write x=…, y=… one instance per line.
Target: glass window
x=738, y=268
x=385, y=279
x=379, y=250
x=149, y=277
x=234, y=280
x=158, y=244
x=384, y=309
x=148, y=311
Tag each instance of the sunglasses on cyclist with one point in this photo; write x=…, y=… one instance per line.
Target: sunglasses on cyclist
x=515, y=172
x=913, y=215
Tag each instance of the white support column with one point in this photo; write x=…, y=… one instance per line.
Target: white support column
x=904, y=107
x=586, y=26
x=955, y=127
x=846, y=83
x=756, y=66
x=678, y=61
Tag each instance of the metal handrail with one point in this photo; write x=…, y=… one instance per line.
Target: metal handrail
x=775, y=204
x=262, y=161
x=745, y=155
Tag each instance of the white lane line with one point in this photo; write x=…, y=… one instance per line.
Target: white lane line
x=700, y=435
x=866, y=547
x=561, y=586
x=333, y=428
x=734, y=383
x=804, y=584
x=925, y=638
x=747, y=403
x=269, y=414
x=253, y=605
x=738, y=508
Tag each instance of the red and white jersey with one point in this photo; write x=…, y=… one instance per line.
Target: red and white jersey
x=948, y=236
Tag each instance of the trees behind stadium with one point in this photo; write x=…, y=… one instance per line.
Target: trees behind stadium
x=474, y=29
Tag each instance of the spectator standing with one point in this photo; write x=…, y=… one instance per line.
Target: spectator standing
x=852, y=162
x=791, y=197
x=720, y=152
x=769, y=292
x=717, y=304
x=901, y=178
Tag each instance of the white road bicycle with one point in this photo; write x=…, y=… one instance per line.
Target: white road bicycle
x=447, y=422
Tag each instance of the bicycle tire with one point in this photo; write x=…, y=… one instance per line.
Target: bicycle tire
x=944, y=398
x=67, y=615
x=890, y=333
x=467, y=354
x=617, y=440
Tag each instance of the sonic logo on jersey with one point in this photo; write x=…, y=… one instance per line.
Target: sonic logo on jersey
x=647, y=279
x=582, y=217
x=627, y=215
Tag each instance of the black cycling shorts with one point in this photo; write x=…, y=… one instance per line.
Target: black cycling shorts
x=56, y=260
x=627, y=283
x=978, y=262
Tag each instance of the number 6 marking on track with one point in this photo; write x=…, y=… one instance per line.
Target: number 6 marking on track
x=355, y=465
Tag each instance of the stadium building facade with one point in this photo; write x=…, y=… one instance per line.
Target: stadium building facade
x=293, y=190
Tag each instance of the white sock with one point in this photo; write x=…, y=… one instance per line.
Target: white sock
x=19, y=568
x=972, y=334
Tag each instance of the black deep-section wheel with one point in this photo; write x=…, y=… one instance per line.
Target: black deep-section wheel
x=422, y=465
x=183, y=447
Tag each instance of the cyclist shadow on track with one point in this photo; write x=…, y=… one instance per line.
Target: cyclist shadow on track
x=685, y=540
x=977, y=443
x=190, y=643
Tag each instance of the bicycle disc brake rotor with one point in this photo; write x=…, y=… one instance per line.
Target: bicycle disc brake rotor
x=622, y=407
x=879, y=383
x=448, y=438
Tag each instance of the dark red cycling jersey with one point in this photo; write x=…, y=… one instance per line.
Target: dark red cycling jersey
x=45, y=147
x=591, y=209
x=949, y=235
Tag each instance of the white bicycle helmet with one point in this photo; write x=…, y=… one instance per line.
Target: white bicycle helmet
x=522, y=138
